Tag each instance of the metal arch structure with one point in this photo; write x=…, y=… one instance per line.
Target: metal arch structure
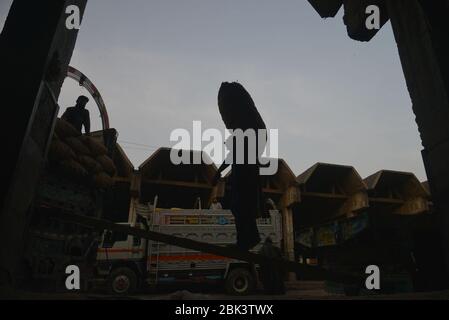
x=84, y=81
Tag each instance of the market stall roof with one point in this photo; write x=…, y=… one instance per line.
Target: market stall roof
x=329, y=191
x=124, y=166
x=280, y=180
x=396, y=192
x=283, y=178
x=332, y=179
x=177, y=185
x=395, y=184
x=160, y=166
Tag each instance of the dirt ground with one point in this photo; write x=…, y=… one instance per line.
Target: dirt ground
x=298, y=290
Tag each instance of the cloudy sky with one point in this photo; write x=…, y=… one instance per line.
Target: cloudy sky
x=159, y=64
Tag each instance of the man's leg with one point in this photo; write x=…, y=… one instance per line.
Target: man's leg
x=247, y=232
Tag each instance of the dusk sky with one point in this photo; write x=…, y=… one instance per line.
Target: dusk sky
x=159, y=65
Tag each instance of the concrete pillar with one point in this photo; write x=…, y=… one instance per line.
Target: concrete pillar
x=134, y=191
x=288, y=237
x=290, y=197
x=136, y=183
x=420, y=28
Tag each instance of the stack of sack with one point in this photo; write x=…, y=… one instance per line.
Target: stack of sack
x=80, y=157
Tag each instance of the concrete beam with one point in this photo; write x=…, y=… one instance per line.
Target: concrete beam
x=413, y=206
x=354, y=203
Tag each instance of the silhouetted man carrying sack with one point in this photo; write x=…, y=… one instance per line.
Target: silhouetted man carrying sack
x=78, y=116
x=238, y=111
x=271, y=274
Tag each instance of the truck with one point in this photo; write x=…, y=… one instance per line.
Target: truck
x=126, y=263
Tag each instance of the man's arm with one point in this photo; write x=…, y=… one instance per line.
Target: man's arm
x=217, y=177
x=226, y=163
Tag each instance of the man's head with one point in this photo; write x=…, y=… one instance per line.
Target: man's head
x=214, y=200
x=82, y=101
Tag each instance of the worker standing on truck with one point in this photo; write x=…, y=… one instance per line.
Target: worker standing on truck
x=215, y=205
x=78, y=116
x=239, y=114
x=271, y=274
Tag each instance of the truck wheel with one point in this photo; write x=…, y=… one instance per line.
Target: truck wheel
x=239, y=282
x=122, y=281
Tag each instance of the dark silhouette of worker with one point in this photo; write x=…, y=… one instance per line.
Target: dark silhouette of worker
x=271, y=274
x=78, y=116
x=238, y=111
x=215, y=205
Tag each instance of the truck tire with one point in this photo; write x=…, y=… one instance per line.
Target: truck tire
x=239, y=282
x=122, y=281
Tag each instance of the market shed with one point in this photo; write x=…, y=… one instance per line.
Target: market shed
x=343, y=221
x=176, y=185
x=329, y=191
x=396, y=192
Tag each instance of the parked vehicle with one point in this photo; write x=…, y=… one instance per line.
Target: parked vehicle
x=127, y=262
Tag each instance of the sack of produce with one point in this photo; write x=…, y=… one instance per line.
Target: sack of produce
x=90, y=164
x=59, y=151
x=64, y=129
x=72, y=168
x=78, y=146
x=107, y=164
x=96, y=148
x=102, y=180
